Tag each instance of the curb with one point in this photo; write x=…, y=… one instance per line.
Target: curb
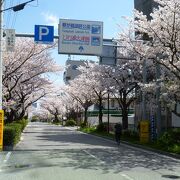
x=177, y=156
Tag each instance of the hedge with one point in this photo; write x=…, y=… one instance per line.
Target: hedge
x=23, y=123
x=12, y=132
x=70, y=122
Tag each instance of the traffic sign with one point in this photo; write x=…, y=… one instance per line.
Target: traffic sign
x=44, y=34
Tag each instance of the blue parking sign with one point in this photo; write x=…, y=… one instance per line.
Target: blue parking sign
x=44, y=34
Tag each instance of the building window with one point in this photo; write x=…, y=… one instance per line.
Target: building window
x=74, y=67
x=68, y=78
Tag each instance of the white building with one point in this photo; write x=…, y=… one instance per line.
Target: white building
x=72, y=71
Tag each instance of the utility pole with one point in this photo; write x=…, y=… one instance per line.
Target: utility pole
x=143, y=93
x=158, y=109
x=1, y=60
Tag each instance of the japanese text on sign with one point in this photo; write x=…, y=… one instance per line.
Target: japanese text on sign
x=10, y=39
x=80, y=37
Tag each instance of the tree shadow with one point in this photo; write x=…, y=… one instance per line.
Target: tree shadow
x=82, y=151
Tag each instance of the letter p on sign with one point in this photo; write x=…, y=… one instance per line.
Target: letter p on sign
x=44, y=34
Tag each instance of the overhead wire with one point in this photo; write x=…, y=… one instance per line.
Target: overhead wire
x=15, y=15
x=10, y=17
x=8, y=13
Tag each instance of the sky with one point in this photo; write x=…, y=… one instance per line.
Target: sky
x=48, y=12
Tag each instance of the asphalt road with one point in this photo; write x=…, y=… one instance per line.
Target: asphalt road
x=48, y=152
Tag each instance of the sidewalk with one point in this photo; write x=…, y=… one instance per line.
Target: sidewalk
x=173, y=155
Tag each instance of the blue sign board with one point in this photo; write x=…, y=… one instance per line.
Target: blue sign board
x=44, y=34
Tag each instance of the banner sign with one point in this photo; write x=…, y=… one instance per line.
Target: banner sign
x=1, y=129
x=10, y=39
x=144, y=131
x=80, y=37
x=153, y=129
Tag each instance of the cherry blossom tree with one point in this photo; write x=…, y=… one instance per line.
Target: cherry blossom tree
x=123, y=80
x=80, y=90
x=97, y=84
x=158, y=40
x=25, y=78
x=54, y=105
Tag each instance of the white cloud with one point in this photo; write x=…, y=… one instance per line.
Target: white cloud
x=51, y=19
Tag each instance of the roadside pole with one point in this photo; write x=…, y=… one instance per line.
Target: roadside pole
x=1, y=69
x=1, y=60
x=158, y=109
x=143, y=93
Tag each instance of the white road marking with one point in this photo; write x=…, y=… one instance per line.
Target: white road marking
x=7, y=157
x=94, y=156
x=126, y=176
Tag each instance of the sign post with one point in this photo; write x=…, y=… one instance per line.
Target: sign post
x=1, y=129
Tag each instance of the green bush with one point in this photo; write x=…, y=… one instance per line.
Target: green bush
x=23, y=123
x=175, y=148
x=166, y=139
x=130, y=134
x=170, y=137
x=83, y=125
x=35, y=119
x=70, y=122
x=101, y=127
x=12, y=134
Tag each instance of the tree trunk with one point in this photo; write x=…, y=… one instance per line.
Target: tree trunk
x=56, y=120
x=125, y=118
x=10, y=116
x=85, y=115
x=21, y=115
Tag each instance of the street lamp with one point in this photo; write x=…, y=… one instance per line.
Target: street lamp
x=14, y=8
x=17, y=7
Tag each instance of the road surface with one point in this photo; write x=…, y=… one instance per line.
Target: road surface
x=49, y=152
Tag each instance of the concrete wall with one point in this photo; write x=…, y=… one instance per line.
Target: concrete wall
x=175, y=118
x=112, y=120
x=72, y=69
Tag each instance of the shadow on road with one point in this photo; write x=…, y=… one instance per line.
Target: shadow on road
x=107, y=160
x=92, y=153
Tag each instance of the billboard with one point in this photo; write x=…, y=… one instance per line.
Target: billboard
x=80, y=37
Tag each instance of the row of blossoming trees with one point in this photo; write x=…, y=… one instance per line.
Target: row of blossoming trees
x=26, y=77
x=160, y=49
